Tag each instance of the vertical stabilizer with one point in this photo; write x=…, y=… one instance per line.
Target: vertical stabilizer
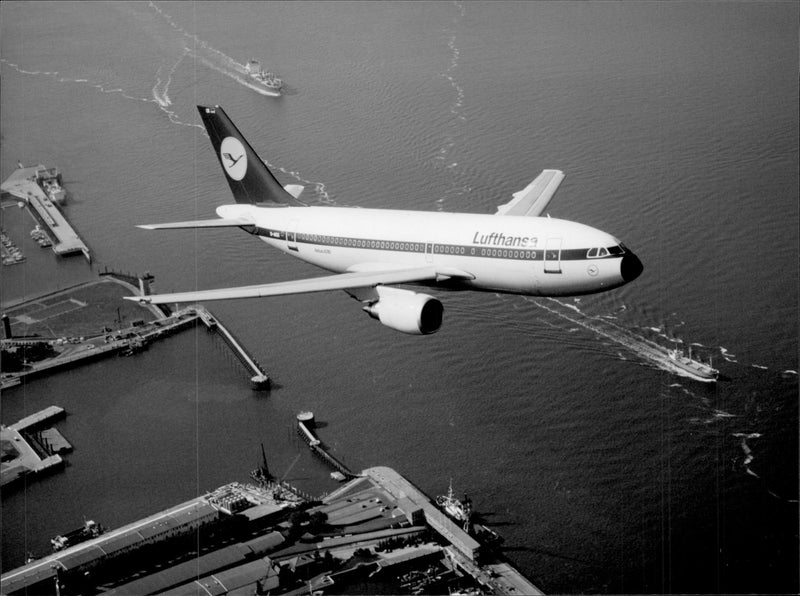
x=249, y=178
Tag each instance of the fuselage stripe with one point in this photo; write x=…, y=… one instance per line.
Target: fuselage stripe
x=573, y=254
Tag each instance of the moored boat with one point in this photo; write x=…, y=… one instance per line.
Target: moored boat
x=459, y=510
x=90, y=529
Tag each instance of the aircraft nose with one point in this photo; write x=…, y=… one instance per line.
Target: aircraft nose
x=631, y=267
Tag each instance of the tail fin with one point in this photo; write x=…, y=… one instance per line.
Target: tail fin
x=249, y=178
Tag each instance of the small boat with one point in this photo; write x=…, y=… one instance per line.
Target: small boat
x=265, y=80
x=694, y=368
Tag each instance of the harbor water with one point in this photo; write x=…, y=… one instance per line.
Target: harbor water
x=676, y=125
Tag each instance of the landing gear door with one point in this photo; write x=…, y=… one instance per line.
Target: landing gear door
x=552, y=256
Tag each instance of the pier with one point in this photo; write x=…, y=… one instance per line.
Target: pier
x=82, y=347
x=126, y=341
x=24, y=183
x=305, y=422
x=260, y=379
x=29, y=452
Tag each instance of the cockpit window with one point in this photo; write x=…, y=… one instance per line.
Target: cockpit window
x=598, y=253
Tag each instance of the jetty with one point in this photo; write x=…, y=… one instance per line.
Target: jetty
x=51, y=413
x=260, y=379
x=81, y=347
x=31, y=452
x=305, y=426
x=28, y=184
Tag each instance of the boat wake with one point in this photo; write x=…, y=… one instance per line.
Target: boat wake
x=443, y=158
x=161, y=90
x=748, y=458
x=642, y=347
x=203, y=52
x=210, y=56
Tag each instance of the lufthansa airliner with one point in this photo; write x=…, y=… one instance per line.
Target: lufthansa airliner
x=371, y=251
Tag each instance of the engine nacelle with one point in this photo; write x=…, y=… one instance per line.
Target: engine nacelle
x=406, y=311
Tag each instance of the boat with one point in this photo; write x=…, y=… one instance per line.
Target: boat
x=54, y=190
x=486, y=536
x=40, y=236
x=459, y=510
x=90, y=529
x=266, y=81
x=694, y=368
x=50, y=181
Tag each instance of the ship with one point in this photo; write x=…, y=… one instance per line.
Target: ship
x=266, y=81
x=460, y=511
x=90, y=529
x=694, y=368
x=50, y=181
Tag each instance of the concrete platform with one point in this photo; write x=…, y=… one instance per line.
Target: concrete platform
x=22, y=184
x=21, y=459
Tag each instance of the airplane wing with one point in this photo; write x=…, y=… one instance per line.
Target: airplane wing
x=532, y=200
x=342, y=281
x=198, y=223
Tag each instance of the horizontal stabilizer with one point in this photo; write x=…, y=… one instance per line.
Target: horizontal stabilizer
x=532, y=200
x=342, y=281
x=294, y=189
x=199, y=223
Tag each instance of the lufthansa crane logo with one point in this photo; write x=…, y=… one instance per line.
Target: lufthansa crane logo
x=233, y=158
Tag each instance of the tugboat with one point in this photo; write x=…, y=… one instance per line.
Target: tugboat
x=267, y=82
x=90, y=529
x=694, y=368
x=459, y=510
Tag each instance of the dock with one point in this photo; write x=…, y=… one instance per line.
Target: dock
x=260, y=379
x=50, y=413
x=119, y=547
x=127, y=341
x=305, y=424
x=30, y=452
x=23, y=183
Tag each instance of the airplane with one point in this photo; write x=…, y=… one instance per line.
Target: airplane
x=515, y=250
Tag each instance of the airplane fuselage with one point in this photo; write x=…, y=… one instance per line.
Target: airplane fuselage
x=539, y=256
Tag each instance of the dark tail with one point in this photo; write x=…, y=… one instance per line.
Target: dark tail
x=249, y=178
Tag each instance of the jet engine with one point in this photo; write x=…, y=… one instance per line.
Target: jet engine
x=406, y=311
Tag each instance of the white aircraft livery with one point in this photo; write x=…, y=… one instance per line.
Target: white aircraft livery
x=372, y=250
